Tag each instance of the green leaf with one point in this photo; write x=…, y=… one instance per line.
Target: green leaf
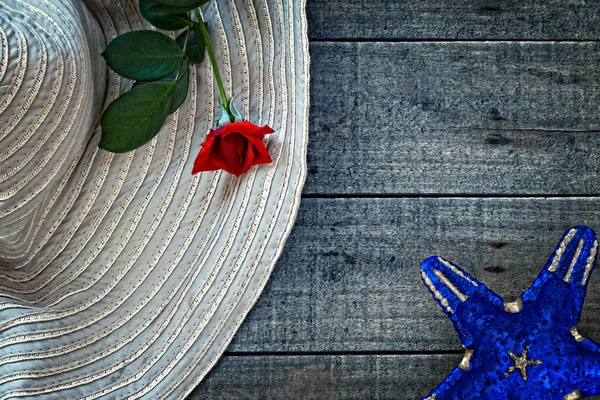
x=181, y=89
x=136, y=117
x=177, y=6
x=195, y=48
x=161, y=20
x=143, y=55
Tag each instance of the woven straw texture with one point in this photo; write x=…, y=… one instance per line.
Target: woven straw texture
x=124, y=276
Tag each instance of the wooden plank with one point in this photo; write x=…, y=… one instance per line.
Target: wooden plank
x=453, y=19
x=460, y=118
x=325, y=377
x=349, y=277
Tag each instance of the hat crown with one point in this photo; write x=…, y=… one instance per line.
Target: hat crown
x=124, y=275
x=52, y=84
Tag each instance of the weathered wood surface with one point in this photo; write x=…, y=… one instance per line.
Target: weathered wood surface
x=474, y=118
x=325, y=377
x=448, y=99
x=360, y=377
x=349, y=278
x=454, y=19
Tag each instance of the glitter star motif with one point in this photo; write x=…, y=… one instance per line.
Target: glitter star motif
x=521, y=363
x=556, y=362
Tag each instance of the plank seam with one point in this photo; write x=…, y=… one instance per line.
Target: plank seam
x=448, y=40
x=340, y=353
x=593, y=196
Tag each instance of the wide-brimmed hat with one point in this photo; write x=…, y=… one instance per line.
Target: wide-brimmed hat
x=124, y=275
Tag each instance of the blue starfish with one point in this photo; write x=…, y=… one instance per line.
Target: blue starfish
x=528, y=349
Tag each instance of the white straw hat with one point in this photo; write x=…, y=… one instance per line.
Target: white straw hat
x=124, y=276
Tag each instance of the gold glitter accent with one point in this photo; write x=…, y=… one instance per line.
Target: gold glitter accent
x=561, y=249
x=514, y=306
x=450, y=286
x=465, y=364
x=436, y=293
x=576, y=334
x=574, y=261
x=521, y=363
x=576, y=394
x=590, y=262
x=457, y=271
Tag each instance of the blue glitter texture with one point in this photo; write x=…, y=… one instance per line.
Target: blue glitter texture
x=529, y=349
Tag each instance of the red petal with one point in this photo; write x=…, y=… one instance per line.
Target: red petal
x=217, y=159
x=261, y=155
x=243, y=127
x=248, y=158
x=201, y=163
x=264, y=130
x=233, y=149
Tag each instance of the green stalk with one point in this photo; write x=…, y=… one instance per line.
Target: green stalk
x=213, y=61
x=187, y=36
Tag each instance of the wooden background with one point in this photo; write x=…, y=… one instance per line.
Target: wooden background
x=464, y=128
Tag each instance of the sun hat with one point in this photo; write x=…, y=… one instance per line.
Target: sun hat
x=124, y=275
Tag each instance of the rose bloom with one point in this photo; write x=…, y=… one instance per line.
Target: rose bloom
x=234, y=148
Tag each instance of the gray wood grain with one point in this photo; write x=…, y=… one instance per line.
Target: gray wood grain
x=461, y=118
x=325, y=377
x=453, y=19
x=343, y=377
x=349, y=278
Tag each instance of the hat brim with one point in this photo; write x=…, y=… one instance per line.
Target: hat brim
x=139, y=274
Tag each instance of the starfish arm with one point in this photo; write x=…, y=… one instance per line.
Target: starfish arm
x=524, y=374
x=562, y=363
x=562, y=284
x=585, y=373
x=462, y=297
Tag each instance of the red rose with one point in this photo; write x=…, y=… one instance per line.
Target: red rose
x=234, y=148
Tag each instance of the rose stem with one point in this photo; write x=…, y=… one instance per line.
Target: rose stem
x=213, y=61
x=187, y=36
